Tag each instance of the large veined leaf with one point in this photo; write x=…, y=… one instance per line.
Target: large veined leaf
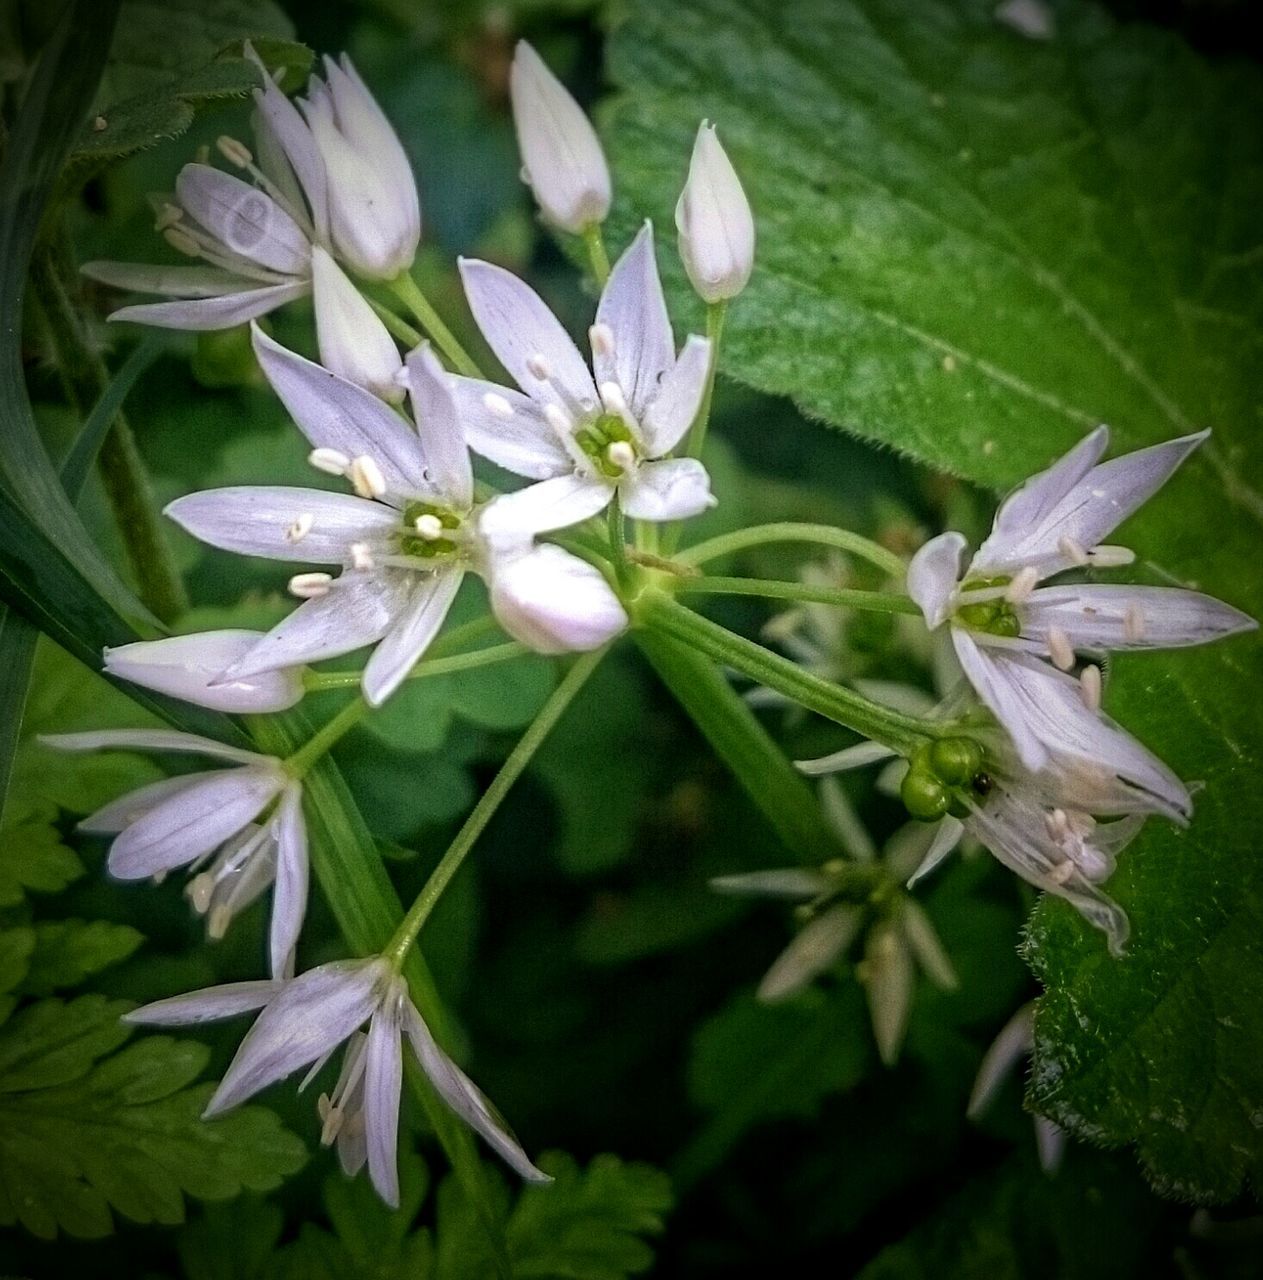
x=973, y=246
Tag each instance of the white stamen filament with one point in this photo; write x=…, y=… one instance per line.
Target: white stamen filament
x=1110, y=557
x=1060, y=649
x=1073, y=551
x=310, y=586
x=234, y=152
x=366, y=476
x=601, y=339
x=361, y=556
x=497, y=405
x=1024, y=582
x=622, y=455
x=182, y=242
x=331, y=1117
x=429, y=526
x=1090, y=687
x=1134, y=623
x=613, y=399
x=300, y=528
x=330, y=461
x=168, y=216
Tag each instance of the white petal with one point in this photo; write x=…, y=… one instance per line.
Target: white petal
x=170, y=282
x=289, y=896
x=383, y=1080
x=1050, y=1142
x=554, y=602
x=922, y=937
x=714, y=221
x=358, y=610
x=353, y=341
x=783, y=882
x=226, y=311
x=814, y=949
x=889, y=985
x=514, y=518
x=1004, y=699
x=311, y=1014
x=933, y=574
x=336, y=414
x=947, y=835
x=194, y=821
x=244, y=219
x=410, y=635
x=672, y=489
x=1014, y=1042
x=675, y=404
x=518, y=326
x=439, y=427
x=844, y=822
x=186, y=666
x=522, y=443
x=852, y=757
x=256, y=520
x=1106, y=617
x=635, y=312
x=465, y=1098
x=150, y=740
x=207, y=1005
x=119, y=814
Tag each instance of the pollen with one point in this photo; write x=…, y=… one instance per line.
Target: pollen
x=1109, y=557
x=538, y=367
x=330, y=461
x=310, y=586
x=621, y=454
x=601, y=338
x=497, y=405
x=429, y=526
x=1060, y=649
x=365, y=474
x=361, y=556
x=1090, y=686
x=236, y=153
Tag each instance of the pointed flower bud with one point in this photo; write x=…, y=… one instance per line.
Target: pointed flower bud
x=354, y=343
x=554, y=602
x=189, y=667
x=715, y=223
x=562, y=158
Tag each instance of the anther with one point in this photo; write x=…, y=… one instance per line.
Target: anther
x=199, y=891
x=1073, y=551
x=168, y=216
x=217, y=922
x=538, y=367
x=429, y=526
x=1024, y=582
x=330, y=461
x=332, y=1117
x=601, y=339
x=1110, y=557
x=497, y=405
x=612, y=398
x=366, y=476
x=300, y=528
x=621, y=454
x=1090, y=686
x=361, y=556
x=234, y=152
x=310, y=586
x=1134, y=623
x=182, y=242
x=1061, y=872
x=1060, y=649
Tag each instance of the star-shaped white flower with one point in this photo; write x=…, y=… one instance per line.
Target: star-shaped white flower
x=588, y=439
x=303, y=1022
x=240, y=830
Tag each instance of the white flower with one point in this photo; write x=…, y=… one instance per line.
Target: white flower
x=303, y=1022
x=374, y=213
x=189, y=667
x=1015, y=1042
x=715, y=223
x=587, y=440
x=1003, y=624
x=353, y=341
x=404, y=539
x=239, y=829
x=562, y=158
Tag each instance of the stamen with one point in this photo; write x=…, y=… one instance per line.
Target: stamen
x=199, y=891
x=1110, y=557
x=310, y=586
x=538, y=367
x=622, y=455
x=497, y=405
x=332, y=1117
x=182, y=242
x=430, y=527
x=1060, y=649
x=613, y=399
x=1073, y=551
x=601, y=339
x=559, y=421
x=300, y=528
x=330, y=461
x=234, y=152
x=361, y=556
x=168, y=216
x=218, y=921
x=1134, y=623
x=1061, y=872
x=366, y=476
x=1024, y=582
x=1090, y=687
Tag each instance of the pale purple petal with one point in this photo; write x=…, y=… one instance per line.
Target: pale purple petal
x=225, y=311
x=1015, y=1041
x=633, y=309
x=289, y=896
x=519, y=328
x=923, y=939
x=672, y=489
x=410, y=635
x=119, y=814
x=553, y=602
x=243, y=218
x=514, y=518
x=260, y=520
x=383, y=1081
x=521, y=442
x=311, y=1014
x=150, y=740
x=1005, y=699
x=170, y=282
x=672, y=410
x=1050, y=1142
x=947, y=836
x=933, y=574
x=782, y=882
x=889, y=984
x=852, y=757
x=439, y=428
x=207, y=1005
x=815, y=948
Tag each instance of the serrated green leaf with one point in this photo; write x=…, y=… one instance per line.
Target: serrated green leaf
x=16, y=945
x=32, y=856
x=973, y=247
x=231, y=1242
x=81, y=1133
x=68, y=951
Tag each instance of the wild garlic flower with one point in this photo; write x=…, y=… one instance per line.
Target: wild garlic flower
x=1004, y=626
x=404, y=540
x=715, y=223
x=238, y=830
x=585, y=439
x=189, y=667
x=562, y=160
x=846, y=898
x=303, y=1021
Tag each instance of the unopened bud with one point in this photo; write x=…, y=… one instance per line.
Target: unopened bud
x=715, y=223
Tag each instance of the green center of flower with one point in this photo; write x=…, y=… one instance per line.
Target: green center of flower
x=429, y=531
x=995, y=617
x=609, y=443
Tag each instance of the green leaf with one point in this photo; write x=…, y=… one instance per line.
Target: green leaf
x=974, y=247
x=16, y=946
x=82, y=1132
x=33, y=857
x=67, y=952
x=231, y=1242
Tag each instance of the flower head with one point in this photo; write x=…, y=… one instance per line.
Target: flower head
x=353, y=341
x=554, y=602
x=562, y=158
x=715, y=223
x=303, y=1021
x=239, y=830
x=587, y=439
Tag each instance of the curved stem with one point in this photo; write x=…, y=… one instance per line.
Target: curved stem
x=597, y=257
x=324, y=739
x=406, y=289
x=399, y=328
x=787, y=531
x=715, y=314
x=323, y=681
x=876, y=601
x=397, y=948
x=618, y=542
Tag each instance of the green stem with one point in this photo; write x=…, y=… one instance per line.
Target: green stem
x=406, y=289
x=323, y=681
x=398, y=326
x=324, y=739
x=904, y=733
x=715, y=314
x=597, y=257
x=618, y=542
x=397, y=948
x=876, y=601
x=822, y=534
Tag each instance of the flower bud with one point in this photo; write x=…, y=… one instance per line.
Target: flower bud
x=354, y=343
x=562, y=158
x=374, y=214
x=187, y=667
x=715, y=223
x=553, y=602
